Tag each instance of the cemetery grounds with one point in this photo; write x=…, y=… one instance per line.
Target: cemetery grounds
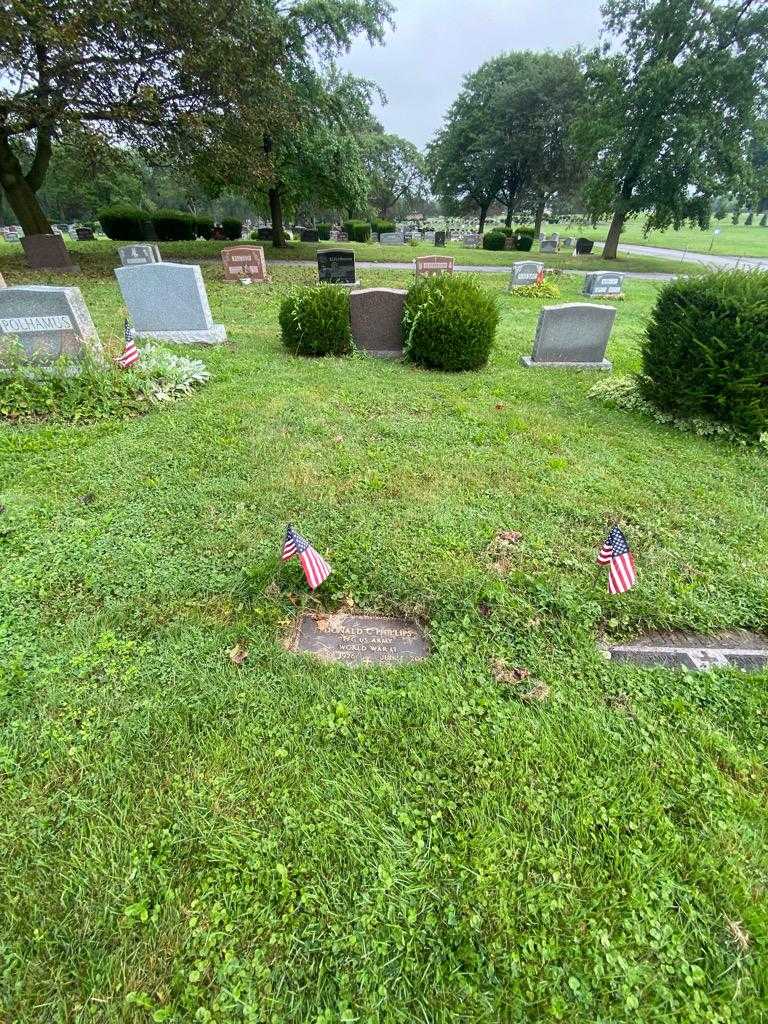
x=187, y=839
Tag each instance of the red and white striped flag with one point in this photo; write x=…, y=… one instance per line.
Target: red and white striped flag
x=315, y=567
x=540, y=276
x=130, y=352
x=616, y=555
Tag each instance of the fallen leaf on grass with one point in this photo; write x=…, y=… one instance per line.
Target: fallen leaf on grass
x=739, y=934
x=499, y=406
x=485, y=609
x=509, y=537
x=538, y=693
x=514, y=675
x=237, y=655
x=338, y=439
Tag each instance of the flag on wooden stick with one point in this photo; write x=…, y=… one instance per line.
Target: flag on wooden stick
x=616, y=555
x=315, y=567
x=130, y=352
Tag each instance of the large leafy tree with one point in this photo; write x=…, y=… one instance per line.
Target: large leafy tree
x=395, y=170
x=153, y=73
x=668, y=117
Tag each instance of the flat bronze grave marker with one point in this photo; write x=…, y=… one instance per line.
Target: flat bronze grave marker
x=747, y=651
x=360, y=639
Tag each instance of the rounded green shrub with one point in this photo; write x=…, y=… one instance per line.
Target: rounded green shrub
x=524, y=243
x=233, y=228
x=705, y=352
x=494, y=240
x=173, y=226
x=380, y=226
x=125, y=223
x=204, y=227
x=449, y=322
x=314, y=321
x=357, y=230
x=525, y=229
x=324, y=232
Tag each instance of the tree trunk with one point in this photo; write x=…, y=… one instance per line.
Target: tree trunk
x=539, y=217
x=276, y=215
x=21, y=196
x=483, y=215
x=508, y=221
x=611, y=247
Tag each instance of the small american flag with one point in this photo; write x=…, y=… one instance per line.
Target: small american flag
x=315, y=567
x=616, y=555
x=540, y=276
x=130, y=352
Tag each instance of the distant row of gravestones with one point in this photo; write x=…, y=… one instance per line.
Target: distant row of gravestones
x=168, y=302
x=14, y=233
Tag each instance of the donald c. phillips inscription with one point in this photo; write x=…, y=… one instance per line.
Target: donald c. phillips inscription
x=360, y=639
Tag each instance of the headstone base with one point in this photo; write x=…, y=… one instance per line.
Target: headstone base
x=532, y=363
x=217, y=335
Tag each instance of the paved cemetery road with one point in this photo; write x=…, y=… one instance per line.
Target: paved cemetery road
x=705, y=259
x=465, y=269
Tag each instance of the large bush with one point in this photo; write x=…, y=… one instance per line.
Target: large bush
x=357, y=230
x=125, y=223
x=314, y=321
x=706, y=349
x=204, y=227
x=323, y=232
x=173, y=225
x=449, y=322
x=379, y=226
x=233, y=228
x=525, y=229
x=494, y=240
x=524, y=243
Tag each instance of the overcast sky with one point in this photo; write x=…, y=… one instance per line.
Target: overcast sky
x=436, y=42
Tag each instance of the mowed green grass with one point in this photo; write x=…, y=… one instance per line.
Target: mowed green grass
x=733, y=240
x=185, y=840
x=101, y=255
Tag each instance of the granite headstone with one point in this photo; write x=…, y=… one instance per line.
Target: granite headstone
x=245, y=263
x=430, y=266
x=139, y=254
x=392, y=238
x=548, y=245
x=526, y=272
x=168, y=301
x=336, y=266
x=377, y=315
x=309, y=235
x=359, y=639
x=440, y=239
x=603, y=282
x=46, y=322
x=574, y=335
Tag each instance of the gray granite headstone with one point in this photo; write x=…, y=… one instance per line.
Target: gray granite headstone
x=440, y=239
x=377, y=315
x=574, y=336
x=603, y=282
x=336, y=266
x=525, y=272
x=472, y=240
x=548, y=245
x=168, y=301
x=139, y=254
x=740, y=649
x=309, y=235
x=360, y=639
x=429, y=237
x=392, y=238
x=44, y=323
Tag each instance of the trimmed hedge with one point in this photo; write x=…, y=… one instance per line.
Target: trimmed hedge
x=174, y=225
x=204, y=227
x=379, y=226
x=324, y=232
x=357, y=230
x=705, y=352
x=314, y=321
x=525, y=229
x=494, y=240
x=125, y=223
x=233, y=228
x=449, y=322
x=524, y=243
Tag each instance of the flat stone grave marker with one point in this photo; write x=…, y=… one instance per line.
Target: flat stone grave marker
x=138, y=255
x=741, y=649
x=360, y=639
x=548, y=245
x=245, y=263
x=573, y=336
x=377, y=315
x=525, y=272
x=472, y=240
x=47, y=322
x=48, y=252
x=392, y=238
x=168, y=301
x=309, y=235
x=603, y=282
x=440, y=239
x=336, y=266
x=431, y=266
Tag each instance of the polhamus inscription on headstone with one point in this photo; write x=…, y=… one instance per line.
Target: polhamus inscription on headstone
x=168, y=301
x=360, y=639
x=41, y=323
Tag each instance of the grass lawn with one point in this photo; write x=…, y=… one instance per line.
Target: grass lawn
x=185, y=840
x=101, y=255
x=733, y=240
